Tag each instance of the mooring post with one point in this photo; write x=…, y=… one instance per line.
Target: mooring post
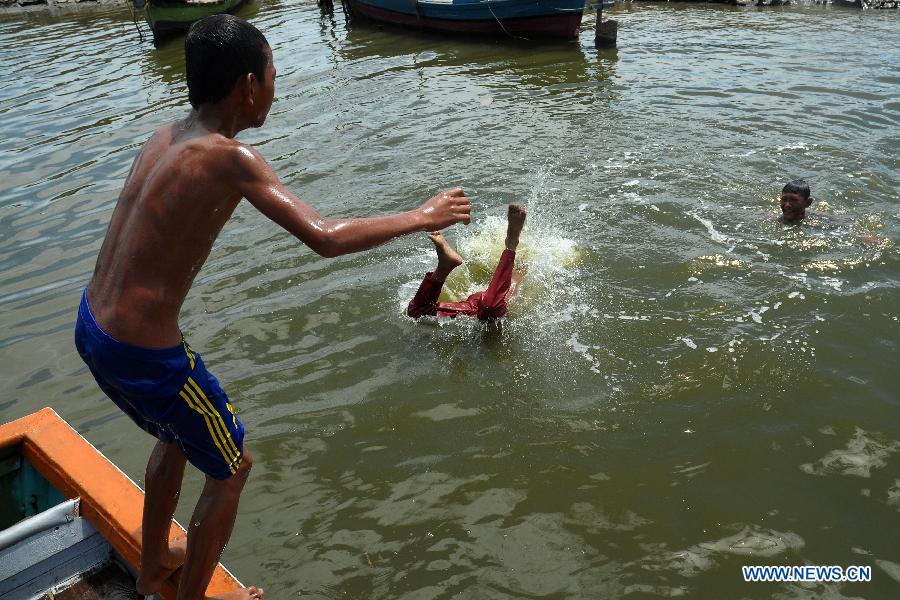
x=327, y=6
x=348, y=12
x=606, y=31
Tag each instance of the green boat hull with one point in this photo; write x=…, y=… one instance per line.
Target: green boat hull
x=171, y=16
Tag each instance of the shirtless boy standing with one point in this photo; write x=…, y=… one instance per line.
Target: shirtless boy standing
x=183, y=186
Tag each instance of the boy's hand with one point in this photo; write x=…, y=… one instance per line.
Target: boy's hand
x=445, y=209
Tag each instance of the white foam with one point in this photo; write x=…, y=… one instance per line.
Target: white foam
x=891, y=569
x=862, y=454
x=757, y=314
x=688, y=342
x=584, y=351
x=832, y=282
x=751, y=541
x=715, y=235
x=800, y=146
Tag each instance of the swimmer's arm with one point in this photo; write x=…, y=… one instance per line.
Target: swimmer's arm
x=259, y=184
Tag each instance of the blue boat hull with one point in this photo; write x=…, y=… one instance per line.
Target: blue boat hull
x=521, y=18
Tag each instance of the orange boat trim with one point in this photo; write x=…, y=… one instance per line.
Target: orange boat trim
x=110, y=500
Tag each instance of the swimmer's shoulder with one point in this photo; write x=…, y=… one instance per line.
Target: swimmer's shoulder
x=827, y=219
x=822, y=216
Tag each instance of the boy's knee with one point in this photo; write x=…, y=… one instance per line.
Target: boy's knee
x=243, y=469
x=237, y=479
x=233, y=485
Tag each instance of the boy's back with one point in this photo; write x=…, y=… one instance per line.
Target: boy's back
x=174, y=203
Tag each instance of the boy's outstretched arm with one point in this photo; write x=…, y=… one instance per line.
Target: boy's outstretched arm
x=258, y=183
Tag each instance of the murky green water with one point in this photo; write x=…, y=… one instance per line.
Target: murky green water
x=685, y=385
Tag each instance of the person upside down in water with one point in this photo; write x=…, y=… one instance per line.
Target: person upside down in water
x=492, y=303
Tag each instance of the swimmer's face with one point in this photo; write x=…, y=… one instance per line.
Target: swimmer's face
x=793, y=206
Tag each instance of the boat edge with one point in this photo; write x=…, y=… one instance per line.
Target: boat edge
x=110, y=500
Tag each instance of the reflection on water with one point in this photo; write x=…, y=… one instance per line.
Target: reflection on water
x=685, y=384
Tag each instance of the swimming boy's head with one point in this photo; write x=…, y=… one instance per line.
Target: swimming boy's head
x=228, y=59
x=795, y=200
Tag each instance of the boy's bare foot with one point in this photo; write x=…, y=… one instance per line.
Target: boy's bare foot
x=249, y=593
x=448, y=258
x=154, y=573
x=516, y=220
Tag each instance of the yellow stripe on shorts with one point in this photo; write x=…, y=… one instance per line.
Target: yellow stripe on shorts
x=215, y=414
x=228, y=448
x=211, y=426
x=187, y=350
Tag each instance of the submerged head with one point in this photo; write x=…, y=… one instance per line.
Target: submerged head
x=229, y=60
x=795, y=200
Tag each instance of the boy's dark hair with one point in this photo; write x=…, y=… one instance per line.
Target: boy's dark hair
x=797, y=186
x=217, y=51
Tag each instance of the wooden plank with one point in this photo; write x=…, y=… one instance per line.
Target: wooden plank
x=50, y=558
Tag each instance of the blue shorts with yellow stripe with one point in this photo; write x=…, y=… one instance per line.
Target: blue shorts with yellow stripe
x=169, y=394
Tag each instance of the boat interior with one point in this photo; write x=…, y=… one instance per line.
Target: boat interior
x=47, y=549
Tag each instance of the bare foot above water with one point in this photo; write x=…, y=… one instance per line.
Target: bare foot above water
x=516, y=221
x=154, y=573
x=448, y=258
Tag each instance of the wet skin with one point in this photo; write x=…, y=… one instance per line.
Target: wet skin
x=184, y=185
x=793, y=206
x=449, y=258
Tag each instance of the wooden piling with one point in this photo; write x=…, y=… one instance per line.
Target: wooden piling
x=606, y=32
